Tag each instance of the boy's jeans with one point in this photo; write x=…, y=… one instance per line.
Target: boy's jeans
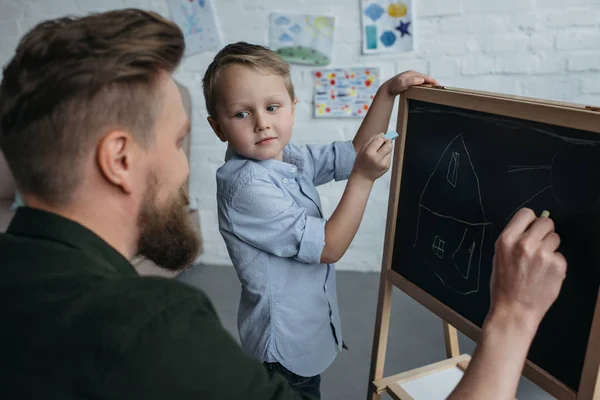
x=304, y=385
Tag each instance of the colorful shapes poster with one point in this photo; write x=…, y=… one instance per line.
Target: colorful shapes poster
x=344, y=92
x=302, y=39
x=197, y=20
x=387, y=26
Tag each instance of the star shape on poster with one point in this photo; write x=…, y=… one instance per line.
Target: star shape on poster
x=403, y=28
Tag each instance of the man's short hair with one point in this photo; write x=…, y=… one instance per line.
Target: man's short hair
x=73, y=79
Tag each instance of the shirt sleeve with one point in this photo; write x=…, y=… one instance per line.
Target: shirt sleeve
x=264, y=216
x=332, y=161
x=184, y=353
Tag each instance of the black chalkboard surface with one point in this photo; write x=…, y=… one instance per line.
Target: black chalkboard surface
x=464, y=174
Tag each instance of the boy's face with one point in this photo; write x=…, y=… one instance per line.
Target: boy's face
x=255, y=113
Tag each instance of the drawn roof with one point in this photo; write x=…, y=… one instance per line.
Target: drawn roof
x=452, y=190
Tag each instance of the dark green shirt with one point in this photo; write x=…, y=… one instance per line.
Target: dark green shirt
x=78, y=322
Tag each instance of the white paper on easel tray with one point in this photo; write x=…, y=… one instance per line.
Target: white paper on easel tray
x=436, y=386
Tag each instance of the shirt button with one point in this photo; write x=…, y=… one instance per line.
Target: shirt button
x=284, y=180
x=294, y=170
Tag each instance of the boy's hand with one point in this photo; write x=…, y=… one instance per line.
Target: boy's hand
x=374, y=159
x=403, y=81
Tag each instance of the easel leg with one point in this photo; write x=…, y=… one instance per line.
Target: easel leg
x=451, y=339
x=382, y=326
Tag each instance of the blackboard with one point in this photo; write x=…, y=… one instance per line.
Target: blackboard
x=464, y=174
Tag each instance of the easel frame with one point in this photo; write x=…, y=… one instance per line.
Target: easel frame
x=562, y=114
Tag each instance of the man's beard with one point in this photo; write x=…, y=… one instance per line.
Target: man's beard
x=167, y=236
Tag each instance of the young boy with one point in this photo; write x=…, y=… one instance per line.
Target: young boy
x=282, y=246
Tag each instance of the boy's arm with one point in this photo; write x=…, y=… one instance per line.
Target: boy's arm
x=371, y=162
x=378, y=116
x=330, y=161
x=328, y=164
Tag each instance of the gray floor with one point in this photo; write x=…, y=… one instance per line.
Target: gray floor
x=415, y=338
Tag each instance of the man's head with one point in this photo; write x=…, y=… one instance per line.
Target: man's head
x=88, y=109
x=250, y=100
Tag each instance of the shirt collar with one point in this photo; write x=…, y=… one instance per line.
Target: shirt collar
x=35, y=223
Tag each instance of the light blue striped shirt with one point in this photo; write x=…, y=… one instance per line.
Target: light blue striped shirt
x=271, y=219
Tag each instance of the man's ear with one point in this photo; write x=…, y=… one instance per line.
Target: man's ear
x=216, y=127
x=115, y=158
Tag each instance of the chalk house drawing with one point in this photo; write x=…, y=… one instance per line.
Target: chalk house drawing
x=451, y=224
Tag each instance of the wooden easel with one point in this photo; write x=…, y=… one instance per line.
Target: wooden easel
x=562, y=114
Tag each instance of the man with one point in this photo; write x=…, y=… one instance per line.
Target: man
x=91, y=124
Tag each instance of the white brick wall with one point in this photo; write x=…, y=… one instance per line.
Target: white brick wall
x=539, y=48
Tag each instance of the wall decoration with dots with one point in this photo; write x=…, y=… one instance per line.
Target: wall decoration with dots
x=387, y=26
x=344, y=92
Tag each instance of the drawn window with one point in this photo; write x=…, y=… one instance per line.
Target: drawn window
x=452, y=174
x=438, y=246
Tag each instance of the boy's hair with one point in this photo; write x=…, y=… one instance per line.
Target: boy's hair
x=259, y=57
x=72, y=79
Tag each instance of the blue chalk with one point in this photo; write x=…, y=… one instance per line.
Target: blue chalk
x=391, y=135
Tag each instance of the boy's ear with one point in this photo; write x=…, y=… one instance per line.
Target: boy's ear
x=294, y=105
x=216, y=127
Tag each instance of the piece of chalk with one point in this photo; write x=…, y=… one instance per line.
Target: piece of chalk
x=545, y=213
x=391, y=135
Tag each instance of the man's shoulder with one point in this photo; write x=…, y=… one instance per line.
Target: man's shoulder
x=149, y=296
x=38, y=254
x=124, y=307
x=127, y=311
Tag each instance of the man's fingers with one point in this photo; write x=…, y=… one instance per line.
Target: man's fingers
x=540, y=228
x=551, y=242
x=517, y=225
x=561, y=265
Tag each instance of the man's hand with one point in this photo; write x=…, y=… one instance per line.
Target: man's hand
x=528, y=272
x=403, y=81
x=526, y=280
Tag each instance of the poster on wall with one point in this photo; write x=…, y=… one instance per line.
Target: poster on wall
x=387, y=26
x=302, y=39
x=344, y=92
x=197, y=20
